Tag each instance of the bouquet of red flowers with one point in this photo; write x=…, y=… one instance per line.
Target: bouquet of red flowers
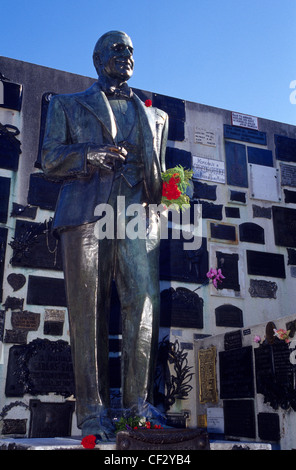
x=175, y=183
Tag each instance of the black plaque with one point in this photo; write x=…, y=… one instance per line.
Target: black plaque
x=245, y=135
x=173, y=106
x=181, y=308
x=233, y=340
x=284, y=224
x=266, y=264
x=50, y=419
x=236, y=164
x=229, y=315
x=239, y=418
x=260, y=156
x=34, y=246
x=210, y=210
x=263, y=289
x=238, y=196
x=232, y=212
x=176, y=130
x=2, y=323
x=288, y=175
x=16, y=281
x=18, y=210
x=236, y=373
x=4, y=198
x=42, y=192
x=252, y=233
x=46, y=291
x=269, y=426
x=53, y=328
x=262, y=212
x=3, y=240
x=290, y=196
x=223, y=232
x=291, y=256
x=175, y=156
x=285, y=148
x=204, y=191
x=228, y=263
x=39, y=368
x=183, y=265
x=275, y=374
x=12, y=95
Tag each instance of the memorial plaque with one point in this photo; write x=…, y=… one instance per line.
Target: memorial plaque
x=207, y=375
x=246, y=135
x=39, y=368
x=232, y=212
x=53, y=328
x=263, y=289
x=205, y=137
x=233, y=340
x=288, y=175
x=285, y=148
x=34, y=246
x=208, y=169
x=174, y=107
x=204, y=191
x=4, y=198
x=270, y=190
x=18, y=210
x=2, y=323
x=260, y=156
x=291, y=256
x=263, y=212
x=237, y=196
x=269, y=426
x=275, y=375
x=183, y=265
x=25, y=320
x=266, y=264
x=252, y=233
x=42, y=192
x=46, y=291
x=222, y=232
x=239, y=418
x=3, y=240
x=13, y=303
x=229, y=315
x=16, y=336
x=14, y=426
x=10, y=147
x=50, y=419
x=228, y=263
x=175, y=156
x=244, y=120
x=284, y=225
x=176, y=130
x=210, y=210
x=16, y=281
x=290, y=196
x=181, y=308
x=236, y=164
x=11, y=95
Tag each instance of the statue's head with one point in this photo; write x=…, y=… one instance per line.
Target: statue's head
x=113, y=56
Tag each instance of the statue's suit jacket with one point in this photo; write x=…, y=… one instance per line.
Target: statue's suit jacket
x=74, y=121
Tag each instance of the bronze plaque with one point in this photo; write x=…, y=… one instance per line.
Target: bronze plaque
x=207, y=375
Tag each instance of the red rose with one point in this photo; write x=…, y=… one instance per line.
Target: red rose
x=148, y=103
x=170, y=190
x=89, y=442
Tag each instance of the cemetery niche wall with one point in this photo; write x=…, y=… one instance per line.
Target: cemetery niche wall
x=247, y=231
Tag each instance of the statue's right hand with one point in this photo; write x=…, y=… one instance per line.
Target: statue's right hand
x=105, y=156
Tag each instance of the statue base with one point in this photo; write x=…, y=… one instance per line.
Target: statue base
x=163, y=439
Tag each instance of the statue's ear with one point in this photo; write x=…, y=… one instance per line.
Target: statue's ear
x=97, y=60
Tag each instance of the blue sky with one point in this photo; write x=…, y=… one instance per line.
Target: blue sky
x=233, y=54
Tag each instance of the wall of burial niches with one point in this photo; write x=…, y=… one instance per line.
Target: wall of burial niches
x=245, y=181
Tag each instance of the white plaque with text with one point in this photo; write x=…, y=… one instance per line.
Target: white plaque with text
x=205, y=137
x=244, y=120
x=208, y=169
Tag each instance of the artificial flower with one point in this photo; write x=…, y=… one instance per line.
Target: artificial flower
x=215, y=275
x=89, y=441
x=282, y=334
x=148, y=103
x=257, y=339
x=175, y=183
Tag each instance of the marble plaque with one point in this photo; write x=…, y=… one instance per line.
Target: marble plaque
x=244, y=120
x=284, y=225
x=236, y=164
x=208, y=169
x=266, y=264
x=205, y=137
x=288, y=175
x=207, y=375
x=270, y=190
x=236, y=373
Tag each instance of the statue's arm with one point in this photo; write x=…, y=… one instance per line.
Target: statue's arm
x=61, y=158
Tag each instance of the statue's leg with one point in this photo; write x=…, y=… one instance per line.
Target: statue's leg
x=88, y=307
x=137, y=279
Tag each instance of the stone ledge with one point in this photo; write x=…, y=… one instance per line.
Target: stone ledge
x=53, y=443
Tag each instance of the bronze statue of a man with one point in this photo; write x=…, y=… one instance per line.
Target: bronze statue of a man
x=104, y=143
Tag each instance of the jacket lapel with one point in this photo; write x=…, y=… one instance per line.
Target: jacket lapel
x=147, y=125
x=95, y=101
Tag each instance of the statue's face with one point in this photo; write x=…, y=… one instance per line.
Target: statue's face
x=116, y=57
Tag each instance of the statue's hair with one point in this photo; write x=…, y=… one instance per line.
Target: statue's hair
x=101, y=41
